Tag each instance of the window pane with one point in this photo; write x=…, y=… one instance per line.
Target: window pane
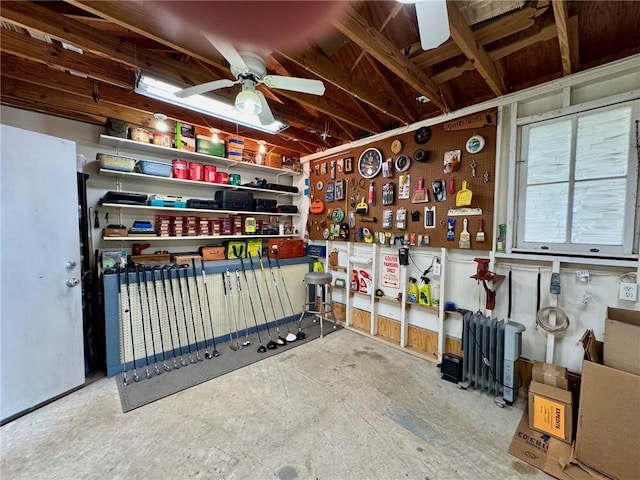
x=602, y=146
x=546, y=213
x=549, y=152
x=598, y=212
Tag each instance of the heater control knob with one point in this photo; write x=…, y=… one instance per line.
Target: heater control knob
x=71, y=265
x=72, y=282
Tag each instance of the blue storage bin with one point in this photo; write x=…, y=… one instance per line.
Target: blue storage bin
x=158, y=169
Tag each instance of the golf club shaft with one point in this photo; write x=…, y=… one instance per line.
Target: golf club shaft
x=193, y=321
x=264, y=312
x=121, y=328
x=133, y=348
x=144, y=330
x=184, y=315
x=155, y=294
x=195, y=278
x=266, y=284
x=153, y=341
x=206, y=291
x=175, y=315
x=246, y=281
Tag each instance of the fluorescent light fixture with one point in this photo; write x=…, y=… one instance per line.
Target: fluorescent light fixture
x=208, y=104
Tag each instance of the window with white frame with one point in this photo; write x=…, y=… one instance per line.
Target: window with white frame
x=578, y=183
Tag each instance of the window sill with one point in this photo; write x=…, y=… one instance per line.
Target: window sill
x=546, y=257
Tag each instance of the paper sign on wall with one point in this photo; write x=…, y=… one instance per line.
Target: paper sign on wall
x=390, y=271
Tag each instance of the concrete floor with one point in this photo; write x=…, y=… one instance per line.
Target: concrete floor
x=342, y=407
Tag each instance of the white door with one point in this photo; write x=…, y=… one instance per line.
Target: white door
x=41, y=340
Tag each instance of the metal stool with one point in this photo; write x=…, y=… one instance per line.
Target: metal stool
x=313, y=281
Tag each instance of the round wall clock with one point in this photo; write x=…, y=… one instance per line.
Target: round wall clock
x=422, y=135
x=396, y=146
x=370, y=162
x=475, y=144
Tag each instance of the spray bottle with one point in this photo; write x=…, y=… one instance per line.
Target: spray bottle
x=355, y=283
x=425, y=292
x=412, y=292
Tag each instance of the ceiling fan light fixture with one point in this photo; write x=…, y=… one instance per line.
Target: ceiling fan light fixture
x=248, y=102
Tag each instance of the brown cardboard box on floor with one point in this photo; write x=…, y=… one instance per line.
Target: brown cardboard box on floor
x=544, y=452
x=550, y=374
x=551, y=411
x=622, y=340
x=608, y=433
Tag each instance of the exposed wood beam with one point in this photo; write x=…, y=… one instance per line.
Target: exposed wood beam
x=464, y=37
x=51, y=110
x=560, y=14
x=318, y=64
x=547, y=33
x=390, y=89
x=397, y=8
x=496, y=30
x=346, y=129
x=122, y=100
x=355, y=27
x=47, y=53
x=368, y=113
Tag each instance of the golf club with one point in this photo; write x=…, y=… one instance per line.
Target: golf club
x=153, y=341
x=300, y=335
x=166, y=301
x=246, y=342
x=261, y=348
x=133, y=348
x=120, y=326
x=184, y=314
x=215, y=352
x=175, y=315
x=290, y=336
x=193, y=321
x=271, y=345
x=232, y=346
x=207, y=355
x=280, y=340
x=144, y=330
x=234, y=309
x=155, y=294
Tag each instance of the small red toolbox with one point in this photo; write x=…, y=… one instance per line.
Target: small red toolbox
x=286, y=248
x=212, y=252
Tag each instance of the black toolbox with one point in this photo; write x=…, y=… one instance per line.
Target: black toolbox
x=234, y=200
x=266, y=205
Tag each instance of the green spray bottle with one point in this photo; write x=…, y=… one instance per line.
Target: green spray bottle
x=412, y=292
x=424, y=297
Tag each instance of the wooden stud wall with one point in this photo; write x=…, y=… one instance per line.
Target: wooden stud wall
x=389, y=329
x=427, y=341
x=442, y=140
x=361, y=320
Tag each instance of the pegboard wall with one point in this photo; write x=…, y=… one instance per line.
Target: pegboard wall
x=337, y=182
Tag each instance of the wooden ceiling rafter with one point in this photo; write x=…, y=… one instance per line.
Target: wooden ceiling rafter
x=356, y=27
x=560, y=15
x=465, y=39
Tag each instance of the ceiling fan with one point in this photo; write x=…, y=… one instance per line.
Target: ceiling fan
x=249, y=69
x=433, y=22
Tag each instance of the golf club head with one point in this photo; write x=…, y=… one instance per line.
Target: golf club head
x=291, y=337
x=271, y=345
x=261, y=349
x=216, y=353
x=208, y=356
x=246, y=343
x=301, y=335
x=281, y=341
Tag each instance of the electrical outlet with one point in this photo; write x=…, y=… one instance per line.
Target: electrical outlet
x=628, y=291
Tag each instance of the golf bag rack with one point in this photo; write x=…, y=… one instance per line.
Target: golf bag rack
x=491, y=348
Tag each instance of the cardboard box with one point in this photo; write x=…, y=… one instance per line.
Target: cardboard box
x=545, y=453
x=608, y=433
x=551, y=411
x=185, y=137
x=551, y=375
x=115, y=232
x=622, y=340
x=205, y=145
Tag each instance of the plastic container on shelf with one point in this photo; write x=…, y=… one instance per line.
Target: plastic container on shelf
x=116, y=162
x=210, y=173
x=159, y=169
x=162, y=139
x=196, y=171
x=180, y=169
x=222, y=177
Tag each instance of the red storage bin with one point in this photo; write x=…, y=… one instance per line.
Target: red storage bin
x=209, y=173
x=180, y=169
x=196, y=171
x=222, y=177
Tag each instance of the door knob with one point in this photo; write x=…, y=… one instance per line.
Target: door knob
x=72, y=282
x=71, y=265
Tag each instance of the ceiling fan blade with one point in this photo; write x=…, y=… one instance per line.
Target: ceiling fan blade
x=229, y=52
x=296, y=84
x=204, y=87
x=433, y=23
x=265, y=116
